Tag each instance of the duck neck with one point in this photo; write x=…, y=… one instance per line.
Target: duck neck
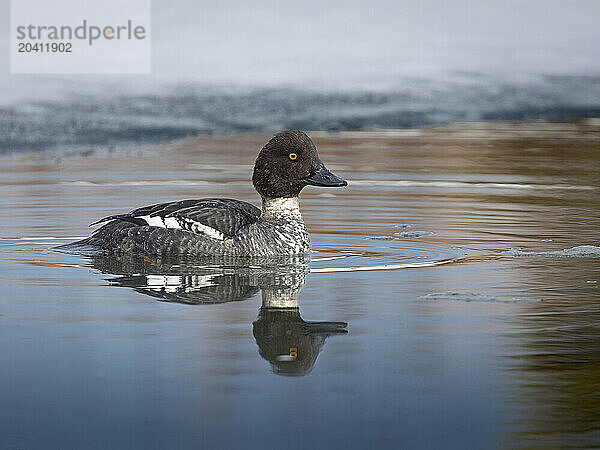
x=273, y=208
x=280, y=298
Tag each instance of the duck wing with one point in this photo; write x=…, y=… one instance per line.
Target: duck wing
x=217, y=218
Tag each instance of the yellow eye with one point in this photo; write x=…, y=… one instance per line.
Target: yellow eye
x=293, y=156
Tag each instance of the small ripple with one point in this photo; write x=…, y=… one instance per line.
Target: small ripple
x=350, y=254
x=402, y=234
x=464, y=184
x=40, y=238
x=150, y=183
x=414, y=265
x=386, y=253
x=582, y=251
x=471, y=297
x=414, y=234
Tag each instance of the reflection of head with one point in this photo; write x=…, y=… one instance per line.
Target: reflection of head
x=289, y=343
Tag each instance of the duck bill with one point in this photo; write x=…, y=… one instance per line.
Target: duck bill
x=321, y=176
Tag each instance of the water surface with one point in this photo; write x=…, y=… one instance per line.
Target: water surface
x=449, y=301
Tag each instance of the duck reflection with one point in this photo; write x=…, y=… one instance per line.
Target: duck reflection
x=290, y=344
x=284, y=339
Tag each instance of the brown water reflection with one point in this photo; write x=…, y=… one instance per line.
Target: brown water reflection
x=556, y=355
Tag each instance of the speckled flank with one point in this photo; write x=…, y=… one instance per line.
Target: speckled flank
x=280, y=230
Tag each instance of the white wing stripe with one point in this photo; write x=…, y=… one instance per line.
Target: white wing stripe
x=198, y=227
x=172, y=222
x=155, y=221
x=179, y=223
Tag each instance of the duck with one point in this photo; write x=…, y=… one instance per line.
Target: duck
x=225, y=227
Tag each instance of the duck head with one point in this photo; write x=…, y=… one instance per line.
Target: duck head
x=288, y=163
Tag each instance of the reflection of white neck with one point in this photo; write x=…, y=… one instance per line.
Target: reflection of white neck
x=280, y=298
x=278, y=207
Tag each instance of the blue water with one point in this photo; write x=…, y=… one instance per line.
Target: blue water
x=417, y=323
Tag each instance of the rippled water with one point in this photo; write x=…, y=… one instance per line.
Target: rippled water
x=452, y=299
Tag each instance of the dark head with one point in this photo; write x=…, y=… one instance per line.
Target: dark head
x=288, y=163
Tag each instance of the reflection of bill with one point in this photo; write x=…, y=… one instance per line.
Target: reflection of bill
x=290, y=357
x=284, y=339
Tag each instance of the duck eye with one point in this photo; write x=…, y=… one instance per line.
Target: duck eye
x=293, y=156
